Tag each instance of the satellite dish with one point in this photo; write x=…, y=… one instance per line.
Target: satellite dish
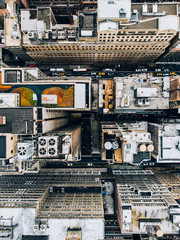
x=1, y=2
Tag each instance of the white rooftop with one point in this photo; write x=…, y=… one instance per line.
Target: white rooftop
x=170, y=147
x=7, y=100
x=30, y=21
x=108, y=25
x=80, y=96
x=110, y=9
x=169, y=22
x=27, y=24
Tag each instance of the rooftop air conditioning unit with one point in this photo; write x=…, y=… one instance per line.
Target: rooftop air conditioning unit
x=139, y=102
x=42, y=146
x=52, y=146
x=134, y=16
x=40, y=35
x=48, y=146
x=32, y=35
x=54, y=35
x=154, y=8
x=42, y=141
x=144, y=8
x=42, y=152
x=43, y=228
x=72, y=34
x=36, y=228
x=62, y=34
x=146, y=101
x=46, y=35
x=122, y=13
x=52, y=152
x=115, y=145
x=25, y=150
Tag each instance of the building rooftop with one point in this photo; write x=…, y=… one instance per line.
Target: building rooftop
x=126, y=142
x=171, y=180
x=85, y=35
x=127, y=87
x=72, y=205
x=168, y=22
x=29, y=191
x=18, y=120
x=168, y=8
x=116, y=9
x=144, y=201
x=37, y=89
x=87, y=24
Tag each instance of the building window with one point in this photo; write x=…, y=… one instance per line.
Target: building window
x=11, y=151
x=11, y=138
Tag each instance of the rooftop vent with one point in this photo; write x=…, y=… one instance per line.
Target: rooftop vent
x=25, y=150
x=134, y=16
x=122, y=13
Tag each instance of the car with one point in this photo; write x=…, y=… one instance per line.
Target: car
x=110, y=74
x=79, y=69
x=172, y=73
x=109, y=70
